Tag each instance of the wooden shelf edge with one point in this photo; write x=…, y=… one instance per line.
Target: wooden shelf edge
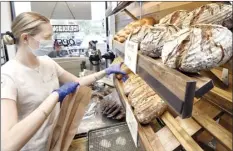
x=160, y=139
x=219, y=132
x=183, y=137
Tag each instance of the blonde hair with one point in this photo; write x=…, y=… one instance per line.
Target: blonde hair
x=27, y=22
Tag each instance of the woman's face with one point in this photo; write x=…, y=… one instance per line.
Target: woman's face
x=46, y=32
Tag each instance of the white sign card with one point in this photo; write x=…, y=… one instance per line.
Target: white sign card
x=131, y=55
x=132, y=124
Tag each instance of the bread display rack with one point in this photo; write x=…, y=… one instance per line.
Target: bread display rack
x=180, y=132
x=199, y=99
x=174, y=87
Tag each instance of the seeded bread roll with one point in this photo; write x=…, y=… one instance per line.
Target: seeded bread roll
x=214, y=13
x=201, y=47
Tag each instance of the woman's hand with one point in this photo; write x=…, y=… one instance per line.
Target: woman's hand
x=115, y=69
x=66, y=89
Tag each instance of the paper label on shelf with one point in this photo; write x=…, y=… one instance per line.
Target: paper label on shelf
x=132, y=124
x=131, y=55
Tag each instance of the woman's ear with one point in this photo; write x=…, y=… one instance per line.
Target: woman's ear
x=24, y=38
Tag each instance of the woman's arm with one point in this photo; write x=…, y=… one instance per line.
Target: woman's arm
x=87, y=80
x=26, y=128
x=14, y=134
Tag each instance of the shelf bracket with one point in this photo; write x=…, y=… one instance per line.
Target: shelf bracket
x=225, y=76
x=130, y=14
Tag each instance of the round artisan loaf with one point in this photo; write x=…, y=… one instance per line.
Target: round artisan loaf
x=153, y=41
x=200, y=47
x=213, y=13
x=148, y=21
x=176, y=18
x=121, y=39
x=139, y=33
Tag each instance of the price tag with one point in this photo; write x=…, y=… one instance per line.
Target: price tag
x=131, y=55
x=132, y=124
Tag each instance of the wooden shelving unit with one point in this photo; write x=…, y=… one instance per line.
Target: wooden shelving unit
x=201, y=99
x=180, y=132
x=173, y=86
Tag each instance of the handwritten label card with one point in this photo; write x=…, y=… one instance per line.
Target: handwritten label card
x=132, y=124
x=131, y=55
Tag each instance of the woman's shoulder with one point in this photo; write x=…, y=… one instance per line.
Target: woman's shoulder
x=46, y=59
x=9, y=67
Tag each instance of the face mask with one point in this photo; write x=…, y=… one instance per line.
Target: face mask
x=45, y=47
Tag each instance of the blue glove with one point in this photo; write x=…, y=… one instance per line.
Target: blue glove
x=66, y=89
x=115, y=69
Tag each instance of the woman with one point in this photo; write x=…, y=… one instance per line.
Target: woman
x=30, y=85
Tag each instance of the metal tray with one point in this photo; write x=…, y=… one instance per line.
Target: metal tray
x=112, y=138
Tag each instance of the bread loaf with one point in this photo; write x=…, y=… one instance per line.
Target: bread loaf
x=132, y=83
x=148, y=21
x=132, y=86
x=144, y=94
x=121, y=39
x=154, y=39
x=130, y=27
x=125, y=69
x=150, y=108
x=176, y=18
x=137, y=92
x=200, y=47
x=214, y=13
x=139, y=33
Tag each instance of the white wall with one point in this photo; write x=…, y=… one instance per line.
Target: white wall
x=21, y=7
x=6, y=25
x=80, y=10
x=97, y=10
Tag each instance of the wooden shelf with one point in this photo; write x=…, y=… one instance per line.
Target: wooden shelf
x=184, y=132
x=176, y=88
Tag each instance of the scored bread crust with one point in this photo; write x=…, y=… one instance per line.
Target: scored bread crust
x=153, y=41
x=213, y=13
x=175, y=18
x=150, y=108
x=132, y=86
x=200, y=47
x=137, y=92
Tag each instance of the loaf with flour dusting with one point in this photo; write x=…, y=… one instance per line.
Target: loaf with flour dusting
x=200, y=47
x=154, y=39
x=214, y=13
x=176, y=18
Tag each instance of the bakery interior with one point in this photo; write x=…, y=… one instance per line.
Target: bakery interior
x=178, y=94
